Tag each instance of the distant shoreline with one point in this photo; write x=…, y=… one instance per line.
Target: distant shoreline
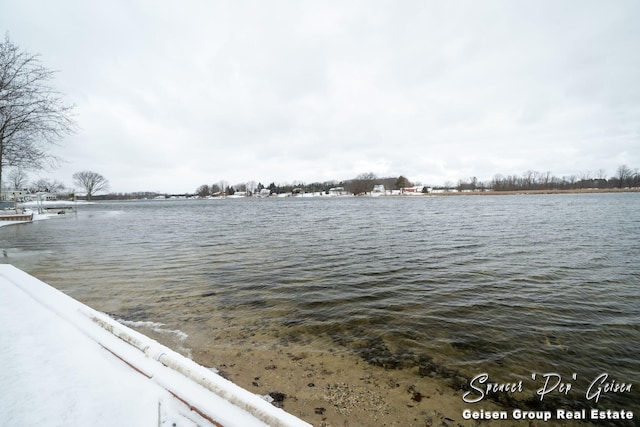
x=406, y=194
x=527, y=192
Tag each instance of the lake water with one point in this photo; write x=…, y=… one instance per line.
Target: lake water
x=508, y=285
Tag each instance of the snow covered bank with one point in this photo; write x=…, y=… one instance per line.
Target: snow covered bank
x=53, y=204
x=36, y=217
x=64, y=363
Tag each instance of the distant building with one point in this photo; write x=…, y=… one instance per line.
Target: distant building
x=8, y=195
x=378, y=189
x=25, y=196
x=337, y=191
x=416, y=189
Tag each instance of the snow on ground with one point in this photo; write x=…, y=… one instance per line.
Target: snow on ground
x=63, y=363
x=36, y=217
x=53, y=203
x=32, y=207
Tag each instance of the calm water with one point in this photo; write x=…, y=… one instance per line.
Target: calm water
x=508, y=285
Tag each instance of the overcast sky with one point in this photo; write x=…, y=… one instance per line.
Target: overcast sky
x=170, y=95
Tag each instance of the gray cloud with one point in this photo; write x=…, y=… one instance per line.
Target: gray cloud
x=171, y=95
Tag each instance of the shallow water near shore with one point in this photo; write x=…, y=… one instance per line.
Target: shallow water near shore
x=434, y=286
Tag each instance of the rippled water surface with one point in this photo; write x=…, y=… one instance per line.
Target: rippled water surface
x=507, y=285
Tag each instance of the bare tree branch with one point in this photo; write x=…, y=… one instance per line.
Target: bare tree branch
x=32, y=114
x=92, y=182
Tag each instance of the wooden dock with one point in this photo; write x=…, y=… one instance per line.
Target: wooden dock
x=16, y=217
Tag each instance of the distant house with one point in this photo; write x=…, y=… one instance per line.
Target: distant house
x=8, y=195
x=337, y=191
x=25, y=196
x=378, y=189
x=416, y=189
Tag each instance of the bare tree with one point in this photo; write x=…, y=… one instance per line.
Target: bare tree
x=92, y=182
x=17, y=179
x=362, y=184
x=624, y=175
x=223, y=186
x=635, y=178
x=203, y=191
x=47, y=186
x=546, y=179
x=529, y=179
x=251, y=186
x=586, y=179
x=32, y=114
x=402, y=182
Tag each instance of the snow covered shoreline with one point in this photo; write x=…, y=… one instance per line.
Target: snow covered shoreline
x=36, y=217
x=67, y=364
x=41, y=210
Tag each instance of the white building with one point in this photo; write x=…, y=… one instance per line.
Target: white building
x=378, y=190
x=337, y=191
x=9, y=195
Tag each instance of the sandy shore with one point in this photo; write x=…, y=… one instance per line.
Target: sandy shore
x=340, y=389
x=335, y=387
x=328, y=389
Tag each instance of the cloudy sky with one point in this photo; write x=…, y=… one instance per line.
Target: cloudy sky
x=170, y=95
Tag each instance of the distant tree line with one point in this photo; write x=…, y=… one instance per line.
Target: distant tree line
x=92, y=182
x=624, y=177
x=361, y=184
x=136, y=195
